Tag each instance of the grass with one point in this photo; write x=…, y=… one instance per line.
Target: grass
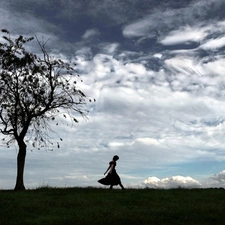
x=58, y=206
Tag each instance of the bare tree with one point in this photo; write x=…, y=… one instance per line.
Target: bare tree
x=34, y=90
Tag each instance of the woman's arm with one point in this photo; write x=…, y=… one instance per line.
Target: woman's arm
x=109, y=168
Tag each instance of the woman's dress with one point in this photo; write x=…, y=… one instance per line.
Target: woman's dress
x=111, y=178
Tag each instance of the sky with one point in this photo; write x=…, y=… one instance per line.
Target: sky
x=156, y=70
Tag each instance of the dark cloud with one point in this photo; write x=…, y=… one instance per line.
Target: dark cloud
x=114, y=10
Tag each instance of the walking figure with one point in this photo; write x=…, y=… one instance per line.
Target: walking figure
x=112, y=177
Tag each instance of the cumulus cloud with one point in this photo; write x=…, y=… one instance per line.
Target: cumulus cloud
x=172, y=182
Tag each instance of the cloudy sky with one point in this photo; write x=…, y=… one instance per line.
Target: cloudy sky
x=156, y=70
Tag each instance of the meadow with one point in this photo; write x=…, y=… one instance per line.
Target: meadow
x=65, y=206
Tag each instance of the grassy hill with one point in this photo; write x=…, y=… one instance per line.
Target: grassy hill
x=65, y=206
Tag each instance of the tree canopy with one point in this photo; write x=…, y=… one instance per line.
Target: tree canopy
x=34, y=90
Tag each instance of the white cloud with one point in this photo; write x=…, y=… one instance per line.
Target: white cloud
x=172, y=182
x=148, y=141
x=137, y=29
x=184, y=65
x=109, y=48
x=116, y=144
x=154, y=113
x=137, y=68
x=158, y=55
x=215, y=67
x=198, y=33
x=213, y=44
x=147, y=124
x=90, y=33
x=184, y=35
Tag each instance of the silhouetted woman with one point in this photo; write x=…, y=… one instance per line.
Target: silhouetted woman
x=112, y=177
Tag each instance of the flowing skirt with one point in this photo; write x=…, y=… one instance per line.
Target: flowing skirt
x=111, y=179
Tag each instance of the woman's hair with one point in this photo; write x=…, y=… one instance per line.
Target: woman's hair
x=115, y=157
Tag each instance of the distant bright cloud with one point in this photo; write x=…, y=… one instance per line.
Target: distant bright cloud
x=172, y=182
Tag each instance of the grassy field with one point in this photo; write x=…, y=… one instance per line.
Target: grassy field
x=55, y=206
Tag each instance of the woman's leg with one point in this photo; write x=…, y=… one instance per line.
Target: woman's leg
x=121, y=185
x=111, y=186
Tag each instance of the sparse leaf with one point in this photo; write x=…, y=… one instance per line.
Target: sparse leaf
x=5, y=31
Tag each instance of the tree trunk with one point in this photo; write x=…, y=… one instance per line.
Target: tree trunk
x=20, y=166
